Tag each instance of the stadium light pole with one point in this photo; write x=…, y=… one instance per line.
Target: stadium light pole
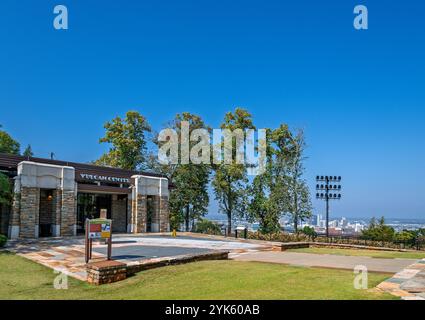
x=330, y=187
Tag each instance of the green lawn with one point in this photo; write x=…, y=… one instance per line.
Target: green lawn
x=363, y=252
x=24, y=279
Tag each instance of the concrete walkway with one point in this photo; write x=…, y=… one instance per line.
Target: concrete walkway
x=325, y=260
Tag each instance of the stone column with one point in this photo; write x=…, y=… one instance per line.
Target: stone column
x=118, y=214
x=57, y=205
x=141, y=213
x=157, y=187
x=130, y=213
x=68, y=213
x=164, y=216
x=138, y=212
x=29, y=208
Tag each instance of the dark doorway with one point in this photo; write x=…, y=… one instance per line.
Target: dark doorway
x=47, y=213
x=89, y=206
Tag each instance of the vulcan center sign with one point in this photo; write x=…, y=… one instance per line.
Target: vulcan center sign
x=95, y=177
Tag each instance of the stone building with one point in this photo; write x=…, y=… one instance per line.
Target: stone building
x=53, y=198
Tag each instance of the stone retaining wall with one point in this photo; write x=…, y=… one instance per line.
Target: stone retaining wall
x=294, y=245
x=112, y=271
x=151, y=264
x=106, y=272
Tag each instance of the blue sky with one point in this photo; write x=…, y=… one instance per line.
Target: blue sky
x=359, y=95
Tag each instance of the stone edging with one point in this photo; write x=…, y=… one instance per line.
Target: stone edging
x=408, y=284
x=112, y=271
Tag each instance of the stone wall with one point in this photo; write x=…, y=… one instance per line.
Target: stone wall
x=57, y=203
x=68, y=213
x=155, y=188
x=119, y=214
x=164, y=215
x=141, y=213
x=103, y=272
x=30, y=198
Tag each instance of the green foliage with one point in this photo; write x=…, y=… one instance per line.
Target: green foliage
x=406, y=236
x=176, y=218
x=5, y=190
x=128, y=142
x=230, y=179
x=28, y=151
x=309, y=231
x=189, y=198
x=299, y=203
x=3, y=240
x=281, y=189
x=8, y=144
x=378, y=231
x=263, y=205
x=208, y=227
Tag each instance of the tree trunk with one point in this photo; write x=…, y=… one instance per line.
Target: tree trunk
x=295, y=201
x=187, y=218
x=229, y=211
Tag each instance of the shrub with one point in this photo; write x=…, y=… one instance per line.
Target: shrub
x=207, y=226
x=278, y=236
x=309, y=231
x=3, y=240
x=378, y=231
x=405, y=236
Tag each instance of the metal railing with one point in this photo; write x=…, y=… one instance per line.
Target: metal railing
x=417, y=244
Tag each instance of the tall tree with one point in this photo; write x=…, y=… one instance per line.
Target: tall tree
x=8, y=144
x=269, y=191
x=263, y=206
x=28, y=151
x=128, y=142
x=299, y=203
x=189, y=198
x=230, y=179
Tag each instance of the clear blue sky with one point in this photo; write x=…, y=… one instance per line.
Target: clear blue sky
x=359, y=95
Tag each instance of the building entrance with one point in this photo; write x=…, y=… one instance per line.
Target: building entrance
x=89, y=206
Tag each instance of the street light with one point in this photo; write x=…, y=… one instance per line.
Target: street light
x=332, y=183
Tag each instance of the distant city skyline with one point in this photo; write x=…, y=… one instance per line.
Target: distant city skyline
x=358, y=95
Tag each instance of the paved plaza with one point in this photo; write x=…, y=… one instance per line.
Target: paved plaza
x=67, y=254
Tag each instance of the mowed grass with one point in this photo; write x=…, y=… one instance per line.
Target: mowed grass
x=23, y=279
x=363, y=252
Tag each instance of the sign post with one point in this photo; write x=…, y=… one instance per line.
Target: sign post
x=98, y=229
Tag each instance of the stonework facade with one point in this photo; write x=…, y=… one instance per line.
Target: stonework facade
x=119, y=214
x=46, y=202
x=155, y=190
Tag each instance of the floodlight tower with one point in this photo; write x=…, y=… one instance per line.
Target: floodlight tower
x=330, y=187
